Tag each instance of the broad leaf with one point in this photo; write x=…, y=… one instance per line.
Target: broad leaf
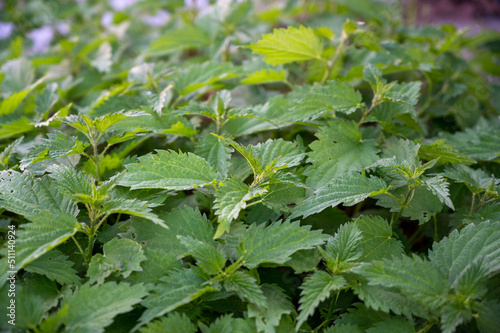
x=209, y=258
x=91, y=309
x=180, y=287
x=168, y=170
x=55, y=266
x=216, y=151
x=120, y=255
x=378, y=242
x=349, y=189
x=189, y=36
x=53, y=216
x=275, y=243
x=343, y=248
x=315, y=289
x=265, y=76
x=173, y=322
x=246, y=288
x=289, y=45
x=338, y=96
x=445, y=152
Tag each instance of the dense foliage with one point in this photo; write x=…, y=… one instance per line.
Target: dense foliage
x=312, y=166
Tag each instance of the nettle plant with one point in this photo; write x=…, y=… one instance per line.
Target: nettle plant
x=314, y=167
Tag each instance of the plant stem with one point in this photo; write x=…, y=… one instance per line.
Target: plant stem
x=332, y=62
x=78, y=246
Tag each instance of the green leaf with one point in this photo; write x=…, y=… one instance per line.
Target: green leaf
x=189, y=36
x=419, y=280
x=348, y=189
x=46, y=100
x=378, y=242
x=53, y=216
x=289, y=45
x=223, y=324
x=283, y=196
x=343, y=328
x=55, y=146
x=392, y=324
x=133, y=207
x=159, y=262
x=8, y=152
x=180, y=222
x=422, y=207
x=487, y=317
x=180, y=287
x=406, y=94
x=340, y=148
x=197, y=76
x=181, y=129
x=55, y=266
x=278, y=153
x=275, y=243
x=453, y=254
x=265, y=76
x=446, y=153
x=481, y=142
x=120, y=255
x=217, y=153
x=173, y=322
x=15, y=128
x=10, y=104
x=72, y=183
x=230, y=200
x=476, y=180
x=19, y=74
x=338, y=96
x=361, y=316
x=209, y=258
x=439, y=187
x=388, y=299
x=246, y=287
x=343, y=248
x=315, y=289
x=268, y=318
x=91, y=309
x=168, y=170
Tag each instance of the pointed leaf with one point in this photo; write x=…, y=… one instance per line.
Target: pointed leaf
x=265, y=76
x=445, y=152
x=349, y=189
x=439, y=187
x=378, y=242
x=315, y=289
x=343, y=248
x=91, y=309
x=209, y=258
x=246, y=288
x=55, y=266
x=173, y=322
x=168, y=170
x=216, y=151
x=289, y=45
x=275, y=243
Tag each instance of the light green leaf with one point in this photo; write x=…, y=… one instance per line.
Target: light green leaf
x=174, y=322
x=265, y=76
x=406, y=94
x=377, y=242
x=289, y=45
x=56, y=145
x=189, y=36
x=91, y=309
x=181, y=129
x=223, y=324
x=19, y=74
x=46, y=100
x=230, y=200
x=246, y=288
x=209, y=258
x=133, y=207
x=349, y=189
x=338, y=96
x=10, y=104
x=15, y=128
x=102, y=58
x=53, y=216
x=168, y=170
x=8, y=152
x=268, y=318
x=180, y=287
x=275, y=243
x=55, y=266
x=120, y=255
x=315, y=289
x=340, y=148
x=445, y=152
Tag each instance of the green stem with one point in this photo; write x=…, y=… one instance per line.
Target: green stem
x=332, y=62
x=426, y=327
x=78, y=246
